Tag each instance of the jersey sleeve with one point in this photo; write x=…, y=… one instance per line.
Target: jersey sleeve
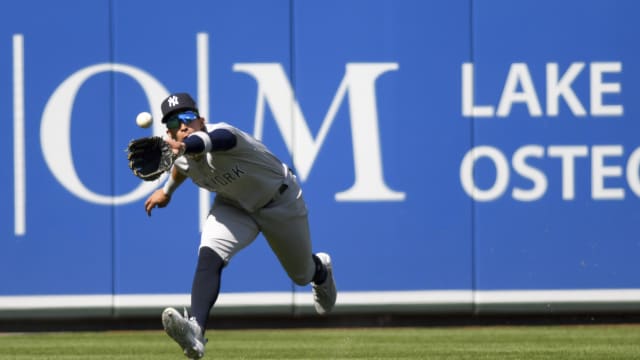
x=182, y=165
x=219, y=139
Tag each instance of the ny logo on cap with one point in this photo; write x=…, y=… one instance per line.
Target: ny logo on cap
x=173, y=101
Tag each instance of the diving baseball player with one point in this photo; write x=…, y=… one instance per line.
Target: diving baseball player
x=255, y=192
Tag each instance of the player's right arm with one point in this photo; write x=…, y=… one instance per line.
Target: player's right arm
x=200, y=142
x=161, y=197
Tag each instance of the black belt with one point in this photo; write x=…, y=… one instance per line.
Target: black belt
x=281, y=191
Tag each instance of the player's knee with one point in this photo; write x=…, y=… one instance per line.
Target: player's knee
x=209, y=259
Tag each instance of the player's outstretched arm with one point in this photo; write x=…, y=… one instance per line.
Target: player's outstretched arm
x=200, y=142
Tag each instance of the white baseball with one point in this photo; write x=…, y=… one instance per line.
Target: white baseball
x=144, y=119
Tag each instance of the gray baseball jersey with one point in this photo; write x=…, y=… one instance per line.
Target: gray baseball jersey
x=256, y=193
x=247, y=175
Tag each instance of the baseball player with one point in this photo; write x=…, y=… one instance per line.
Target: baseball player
x=255, y=192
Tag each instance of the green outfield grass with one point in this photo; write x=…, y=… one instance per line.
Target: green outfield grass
x=548, y=342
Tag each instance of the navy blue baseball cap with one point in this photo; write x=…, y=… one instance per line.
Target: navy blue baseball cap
x=176, y=103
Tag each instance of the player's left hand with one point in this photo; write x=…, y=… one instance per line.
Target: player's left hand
x=149, y=157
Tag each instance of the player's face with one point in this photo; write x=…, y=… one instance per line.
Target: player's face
x=185, y=130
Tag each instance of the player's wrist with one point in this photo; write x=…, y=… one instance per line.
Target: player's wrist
x=182, y=149
x=170, y=186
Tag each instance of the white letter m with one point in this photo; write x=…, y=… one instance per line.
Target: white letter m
x=359, y=81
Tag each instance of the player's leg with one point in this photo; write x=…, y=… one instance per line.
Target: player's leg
x=226, y=231
x=206, y=285
x=285, y=226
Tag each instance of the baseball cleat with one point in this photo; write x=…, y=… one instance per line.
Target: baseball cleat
x=324, y=295
x=185, y=331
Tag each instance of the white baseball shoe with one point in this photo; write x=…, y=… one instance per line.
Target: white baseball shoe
x=324, y=295
x=185, y=331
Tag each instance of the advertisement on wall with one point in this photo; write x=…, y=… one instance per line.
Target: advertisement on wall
x=468, y=156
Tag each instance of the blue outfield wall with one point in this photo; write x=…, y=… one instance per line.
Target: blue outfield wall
x=457, y=156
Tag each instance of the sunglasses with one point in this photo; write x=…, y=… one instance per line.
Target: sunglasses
x=184, y=117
